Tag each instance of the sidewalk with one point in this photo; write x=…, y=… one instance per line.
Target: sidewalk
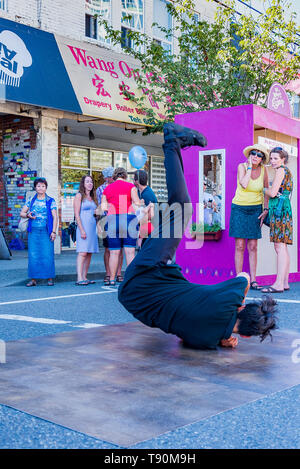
x=14, y=271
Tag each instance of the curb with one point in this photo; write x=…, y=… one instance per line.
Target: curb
x=59, y=278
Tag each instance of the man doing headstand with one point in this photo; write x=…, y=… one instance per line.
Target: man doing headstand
x=155, y=291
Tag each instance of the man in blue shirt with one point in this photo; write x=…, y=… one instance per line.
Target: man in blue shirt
x=146, y=194
x=144, y=191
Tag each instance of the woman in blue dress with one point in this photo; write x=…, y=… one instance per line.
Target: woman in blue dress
x=42, y=213
x=86, y=233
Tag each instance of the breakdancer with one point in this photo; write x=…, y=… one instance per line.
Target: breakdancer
x=155, y=291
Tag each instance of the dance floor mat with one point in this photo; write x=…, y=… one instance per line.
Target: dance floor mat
x=128, y=383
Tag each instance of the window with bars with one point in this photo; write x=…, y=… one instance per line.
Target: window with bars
x=132, y=19
x=92, y=27
x=163, y=18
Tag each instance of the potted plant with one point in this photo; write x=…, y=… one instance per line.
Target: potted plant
x=210, y=232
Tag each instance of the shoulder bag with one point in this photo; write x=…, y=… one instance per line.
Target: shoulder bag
x=23, y=224
x=72, y=230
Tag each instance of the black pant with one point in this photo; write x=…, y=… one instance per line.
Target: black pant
x=169, y=226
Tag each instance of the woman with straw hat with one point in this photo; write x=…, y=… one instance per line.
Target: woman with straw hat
x=247, y=212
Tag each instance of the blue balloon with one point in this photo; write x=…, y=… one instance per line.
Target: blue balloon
x=137, y=157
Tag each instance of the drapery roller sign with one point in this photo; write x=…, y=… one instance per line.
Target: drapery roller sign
x=102, y=82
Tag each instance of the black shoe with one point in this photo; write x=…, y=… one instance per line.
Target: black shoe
x=187, y=137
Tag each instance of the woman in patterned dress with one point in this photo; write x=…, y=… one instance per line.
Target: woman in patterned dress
x=281, y=219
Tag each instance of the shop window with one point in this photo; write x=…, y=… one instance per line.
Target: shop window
x=132, y=19
x=75, y=157
x=158, y=178
x=100, y=159
x=212, y=187
x=121, y=161
x=92, y=27
x=163, y=18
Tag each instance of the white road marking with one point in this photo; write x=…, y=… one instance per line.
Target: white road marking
x=88, y=325
x=17, y=317
x=57, y=297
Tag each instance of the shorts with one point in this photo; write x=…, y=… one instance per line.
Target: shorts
x=105, y=242
x=122, y=231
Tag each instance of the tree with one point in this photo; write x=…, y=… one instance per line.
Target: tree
x=231, y=61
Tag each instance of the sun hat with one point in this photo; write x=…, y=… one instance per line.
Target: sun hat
x=108, y=172
x=259, y=147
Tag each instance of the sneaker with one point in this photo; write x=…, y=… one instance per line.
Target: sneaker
x=187, y=137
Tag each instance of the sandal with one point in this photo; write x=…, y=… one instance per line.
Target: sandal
x=90, y=282
x=120, y=278
x=254, y=285
x=82, y=282
x=106, y=280
x=270, y=290
x=32, y=283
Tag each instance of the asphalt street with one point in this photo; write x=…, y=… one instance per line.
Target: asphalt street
x=271, y=422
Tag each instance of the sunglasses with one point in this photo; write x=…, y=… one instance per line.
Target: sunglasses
x=257, y=153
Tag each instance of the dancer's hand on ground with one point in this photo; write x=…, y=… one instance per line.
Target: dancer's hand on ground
x=231, y=342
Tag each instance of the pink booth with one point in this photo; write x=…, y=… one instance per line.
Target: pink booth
x=228, y=132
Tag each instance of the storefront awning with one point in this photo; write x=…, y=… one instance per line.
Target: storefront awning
x=43, y=69
x=32, y=70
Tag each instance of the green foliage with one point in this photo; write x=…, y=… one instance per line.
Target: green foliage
x=229, y=62
x=204, y=228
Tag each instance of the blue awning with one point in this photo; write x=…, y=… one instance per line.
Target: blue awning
x=32, y=70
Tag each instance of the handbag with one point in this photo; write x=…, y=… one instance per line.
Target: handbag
x=23, y=224
x=267, y=220
x=72, y=230
x=277, y=211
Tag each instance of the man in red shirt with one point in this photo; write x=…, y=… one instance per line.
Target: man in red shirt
x=108, y=179
x=120, y=199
